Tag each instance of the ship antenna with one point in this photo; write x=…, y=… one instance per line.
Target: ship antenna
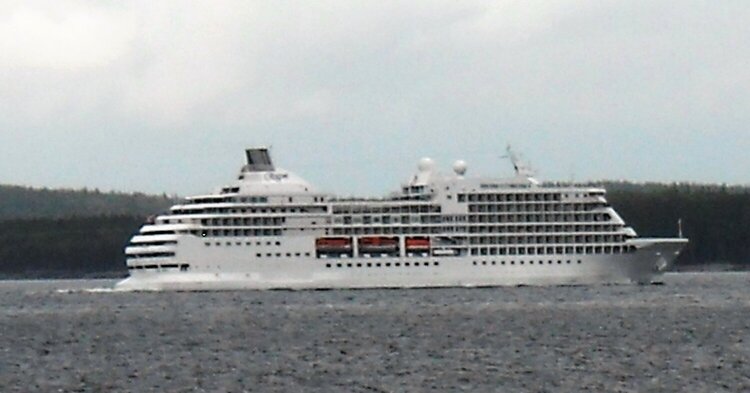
x=511, y=155
x=518, y=165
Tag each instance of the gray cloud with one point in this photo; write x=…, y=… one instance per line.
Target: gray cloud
x=164, y=96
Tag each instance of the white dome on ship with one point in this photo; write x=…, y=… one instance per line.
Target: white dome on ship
x=460, y=167
x=426, y=164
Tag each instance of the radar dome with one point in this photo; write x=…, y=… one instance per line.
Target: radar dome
x=460, y=167
x=426, y=164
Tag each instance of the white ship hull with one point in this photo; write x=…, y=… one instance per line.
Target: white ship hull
x=272, y=230
x=234, y=271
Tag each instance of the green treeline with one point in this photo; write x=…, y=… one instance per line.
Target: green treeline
x=716, y=218
x=65, y=247
x=25, y=202
x=67, y=233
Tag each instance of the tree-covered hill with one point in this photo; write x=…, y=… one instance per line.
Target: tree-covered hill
x=69, y=233
x=65, y=247
x=25, y=203
x=716, y=218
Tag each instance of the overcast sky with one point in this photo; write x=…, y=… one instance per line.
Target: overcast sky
x=162, y=96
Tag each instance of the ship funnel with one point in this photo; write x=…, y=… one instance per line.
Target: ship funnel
x=258, y=160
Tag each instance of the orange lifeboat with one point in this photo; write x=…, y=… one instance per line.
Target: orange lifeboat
x=333, y=244
x=378, y=244
x=417, y=243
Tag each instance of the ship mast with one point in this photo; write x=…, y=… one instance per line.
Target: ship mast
x=521, y=168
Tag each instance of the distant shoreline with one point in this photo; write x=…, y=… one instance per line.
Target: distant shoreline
x=709, y=268
x=64, y=276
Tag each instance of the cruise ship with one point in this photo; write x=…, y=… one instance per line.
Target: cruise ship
x=271, y=229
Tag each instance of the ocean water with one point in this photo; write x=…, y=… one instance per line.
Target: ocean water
x=691, y=334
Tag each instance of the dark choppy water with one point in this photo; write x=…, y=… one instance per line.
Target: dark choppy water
x=688, y=335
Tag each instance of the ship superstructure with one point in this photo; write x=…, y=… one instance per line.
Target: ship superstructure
x=272, y=229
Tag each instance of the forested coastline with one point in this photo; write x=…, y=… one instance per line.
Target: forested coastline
x=69, y=233
x=716, y=218
x=82, y=233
